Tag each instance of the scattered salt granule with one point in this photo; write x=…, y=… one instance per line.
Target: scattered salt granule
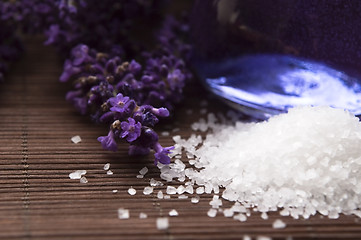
x=166, y=196
x=114, y=191
x=162, y=223
x=203, y=111
x=228, y=212
x=77, y=174
x=216, y=202
x=110, y=172
x=182, y=196
x=165, y=133
x=160, y=194
x=143, y=171
x=83, y=179
x=240, y=217
x=155, y=183
x=132, y=191
x=106, y=166
x=246, y=237
x=212, y=212
x=143, y=215
x=123, y=213
x=171, y=190
x=304, y=162
x=140, y=176
x=200, y=190
x=264, y=216
x=76, y=139
x=263, y=238
x=147, y=190
x=173, y=213
x=278, y=223
x=195, y=199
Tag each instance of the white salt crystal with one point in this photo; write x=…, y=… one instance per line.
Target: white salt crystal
x=162, y=223
x=109, y=172
x=76, y=139
x=263, y=238
x=77, y=174
x=155, y=183
x=166, y=196
x=189, y=189
x=132, y=191
x=228, y=212
x=182, y=196
x=216, y=202
x=140, y=176
x=180, y=189
x=278, y=223
x=240, y=217
x=195, y=199
x=83, y=179
x=212, y=212
x=143, y=171
x=165, y=133
x=114, y=191
x=203, y=111
x=147, y=190
x=106, y=166
x=143, y=215
x=246, y=237
x=123, y=213
x=176, y=130
x=160, y=194
x=192, y=162
x=264, y=216
x=171, y=190
x=173, y=213
x=200, y=190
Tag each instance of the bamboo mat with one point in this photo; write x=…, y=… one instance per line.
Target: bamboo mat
x=38, y=200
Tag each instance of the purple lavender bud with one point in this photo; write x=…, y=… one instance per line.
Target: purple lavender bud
x=73, y=94
x=69, y=71
x=147, y=79
x=80, y=103
x=107, y=117
x=111, y=65
x=108, y=142
x=131, y=129
x=161, y=154
x=161, y=112
x=149, y=119
x=80, y=54
x=134, y=67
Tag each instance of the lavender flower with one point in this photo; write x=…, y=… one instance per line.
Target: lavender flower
x=131, y=129
x=161, y=154
x=108, y=142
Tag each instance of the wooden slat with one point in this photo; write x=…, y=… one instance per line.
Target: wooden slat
x=39, y=201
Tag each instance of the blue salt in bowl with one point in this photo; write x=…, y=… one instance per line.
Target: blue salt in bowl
x=264, y=57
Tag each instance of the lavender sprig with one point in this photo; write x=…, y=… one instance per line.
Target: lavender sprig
x=129, y=96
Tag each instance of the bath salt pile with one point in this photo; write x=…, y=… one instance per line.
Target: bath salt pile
x=301, y=163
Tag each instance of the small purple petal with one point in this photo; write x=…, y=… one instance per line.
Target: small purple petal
x=108, y=142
